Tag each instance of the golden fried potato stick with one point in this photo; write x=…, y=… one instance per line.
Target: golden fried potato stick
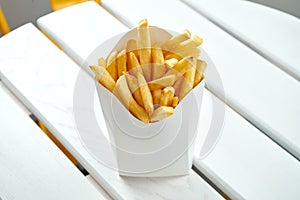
x=162, y=112
x=172, y=55
x=156, y=94
x=134, y=88
x=193, y=52
x=176, y=40
x=191, y=43
x=121, y=62
x=102, y=62
x=167, y=96
x=188, y=82
x=175, y=101
x=103, y=77
x=132, y=47
x=158, y=62
x=162, y=82
x=144, y=46
x=111, y=65
x=134, y=65
x=146, y=94
x=182, y=66
x=122, y=91
x=200, y=68
x=177, y=85
x=170, y=63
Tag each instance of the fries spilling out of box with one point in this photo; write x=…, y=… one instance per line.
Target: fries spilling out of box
x=151, y=78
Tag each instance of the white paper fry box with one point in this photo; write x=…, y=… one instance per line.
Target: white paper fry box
x=163, y=148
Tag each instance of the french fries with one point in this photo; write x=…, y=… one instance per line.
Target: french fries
x=111, y=65
x=103, y=77
x=162, y=82
x=122, y=91
x=144, y=46
x=150, y=81
x=161, y=113
x=146, y=94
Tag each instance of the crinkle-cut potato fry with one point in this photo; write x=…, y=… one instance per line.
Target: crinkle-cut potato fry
x=146, y=94
x=121, y=62
x=162, y=82
x=157, y=62
x=122, y=91
x=188, y=82
x=167, y=96
x=156, y=94
x=175, y=101
x=144, y=46
x=134, y=88
x=102, y=62
x=103, y=77
x=162, y=112
x=199, y=74
x=176, y=40
x=171, y=62
x=111, y=65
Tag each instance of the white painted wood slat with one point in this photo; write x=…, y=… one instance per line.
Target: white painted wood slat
x=272, y=33
x=44, y=78
x=31, y=166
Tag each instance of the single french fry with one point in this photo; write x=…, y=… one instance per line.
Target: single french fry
x=176, y=40
x=177, y=85
x=134, y=88
x=123, y=92
x=175, y=101
x=191, y=43
x=167, y=96
x=101, y=62
x=158, y=62
x=146, y=94
x=162, y=112
x=135, y=66
x=170, y=55
x=192, y=52
x=144, y=46
x=103, y=77
x=171, y=62
x=156, y=94
x=121, y=62
x=162, y=82
x=111, y=65
x=188, y=82
x=200, y=68
x=182, y=66
x=132, y=47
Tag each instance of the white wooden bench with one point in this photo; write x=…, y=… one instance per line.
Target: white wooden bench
x=245, y=163
x=31, y=166
x=241, y=159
